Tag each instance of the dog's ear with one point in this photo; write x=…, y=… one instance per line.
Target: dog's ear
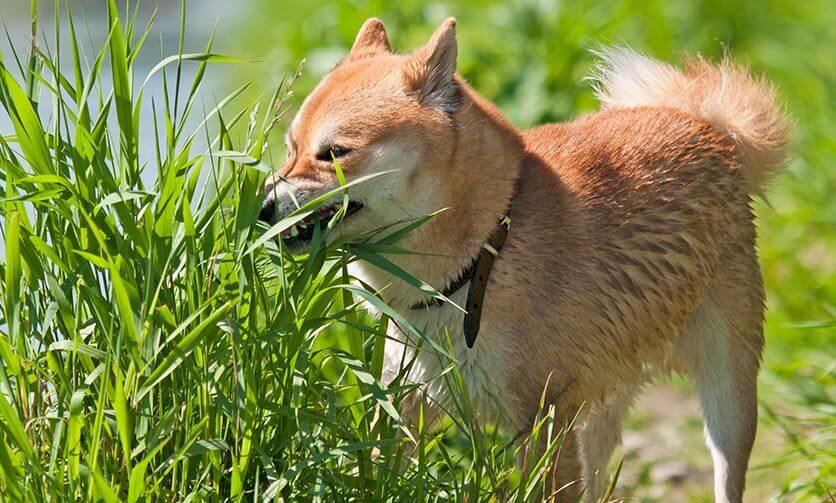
x=371, y=40
x=430, y=71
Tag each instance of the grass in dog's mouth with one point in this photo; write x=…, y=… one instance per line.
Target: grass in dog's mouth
x=303, y=232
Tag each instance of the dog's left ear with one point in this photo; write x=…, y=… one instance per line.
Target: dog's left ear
x=371, y=40
x=430, y=71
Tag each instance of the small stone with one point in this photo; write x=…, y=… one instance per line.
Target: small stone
x=633, y=442
x=669, y=472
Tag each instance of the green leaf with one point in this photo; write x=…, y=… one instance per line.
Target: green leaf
x=306, y=209
x=402, y=322
x=12, y=299
x=124, y=424
x=184, y=348
x=107, y=493
x=202, y=57
x=246, y=160
x=14, y=428
x=73, y=346
x=122, y=92
x=124, y=304
x=121, y=197
x=27, y=125
x=136, y=482
x=392, y=268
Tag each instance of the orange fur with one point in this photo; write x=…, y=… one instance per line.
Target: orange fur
x=632, y=246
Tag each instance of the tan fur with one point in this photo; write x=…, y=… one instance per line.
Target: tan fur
x=632, y=246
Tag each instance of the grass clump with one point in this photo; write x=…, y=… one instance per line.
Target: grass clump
x=157, y=343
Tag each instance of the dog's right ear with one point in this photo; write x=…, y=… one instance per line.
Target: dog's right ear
x=371, y=40
x=430, y=71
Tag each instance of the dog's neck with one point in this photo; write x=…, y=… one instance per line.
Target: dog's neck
x=478, y=186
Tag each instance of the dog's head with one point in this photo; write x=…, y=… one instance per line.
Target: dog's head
x=376, y=111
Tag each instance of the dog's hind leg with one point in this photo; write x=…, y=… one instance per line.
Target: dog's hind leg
x=720, y=350
x=601, y=434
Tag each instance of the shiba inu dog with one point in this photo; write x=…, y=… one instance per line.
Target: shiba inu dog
x=631, y=247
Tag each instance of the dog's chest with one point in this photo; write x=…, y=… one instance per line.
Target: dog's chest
x=482, y=367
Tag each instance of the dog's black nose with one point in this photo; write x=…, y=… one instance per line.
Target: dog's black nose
x=268, y=211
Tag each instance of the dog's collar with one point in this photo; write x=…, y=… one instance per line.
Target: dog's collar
x=478, y=273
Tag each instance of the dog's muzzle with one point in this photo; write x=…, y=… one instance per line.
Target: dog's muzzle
x=267, y=214
x=283, y=199
x=279, y=202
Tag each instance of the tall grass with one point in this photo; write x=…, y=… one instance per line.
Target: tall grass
x=158, y=344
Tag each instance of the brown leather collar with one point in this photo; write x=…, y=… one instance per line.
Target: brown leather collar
x=478, y=273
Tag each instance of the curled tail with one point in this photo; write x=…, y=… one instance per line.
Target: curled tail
x=724, y=95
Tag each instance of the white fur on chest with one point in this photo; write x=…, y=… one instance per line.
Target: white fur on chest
x=482, y=367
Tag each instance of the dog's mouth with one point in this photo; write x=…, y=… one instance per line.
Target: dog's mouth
x=302, y=232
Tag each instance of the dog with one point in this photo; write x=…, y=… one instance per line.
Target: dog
x=630, y=251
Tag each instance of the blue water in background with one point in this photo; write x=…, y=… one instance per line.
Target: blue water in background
x=90, y=17
x=92, y=27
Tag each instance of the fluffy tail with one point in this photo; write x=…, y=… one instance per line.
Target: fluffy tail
x=732, y=100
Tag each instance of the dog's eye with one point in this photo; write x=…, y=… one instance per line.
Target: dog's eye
x=331, y=153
